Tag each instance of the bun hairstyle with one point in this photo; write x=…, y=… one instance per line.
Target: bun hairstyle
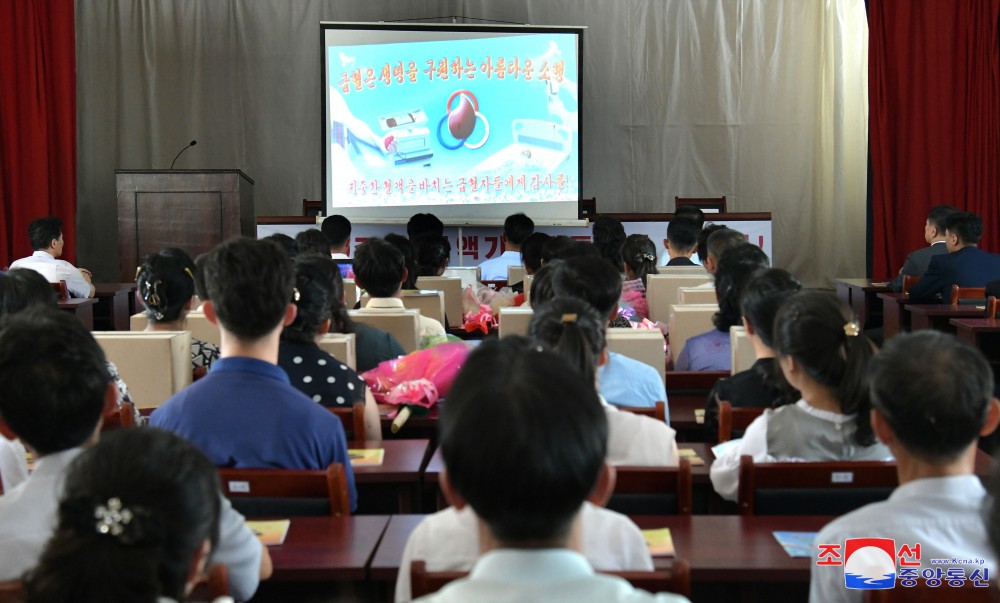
x=166, y=283
x=135, y=510
x=640, y=255
x=314, y=283
x=432, y=254
x=821, y=333
x=573, y=329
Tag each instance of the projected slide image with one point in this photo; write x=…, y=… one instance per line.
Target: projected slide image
x=453, y=122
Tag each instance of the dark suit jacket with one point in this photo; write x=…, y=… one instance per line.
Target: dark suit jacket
x=681, y=261
x=916, y=263
x=967, y=267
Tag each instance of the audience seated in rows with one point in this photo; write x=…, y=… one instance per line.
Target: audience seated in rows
x=165, y=287
x=516, y=228
x=245, y=413
x=56, y=391
x=931, y=420
x=711, y=351
x=529, y=505
x=823, y=355
x=965, y=264
x=47, y=241
x=138, y=521
x=639, y=255
x=934, y=234
x=760, y=386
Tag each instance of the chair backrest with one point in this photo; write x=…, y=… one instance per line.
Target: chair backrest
x=644, y=345
x=731, y=419
x=350, y=293
x=658, y=412
x=451, y=288
x=661, y=291
x=684, y=271
x=528, y=280
x=991, y=307
x=155, y=364
x=353, y=419
x=687, y=321
x=909, y=281
x=12, y=592
x=496, y=285
x=960, y=293
x=706, y=204
x=741, y=350
x=469, y=275
x=403, y=324
x=515, y=274
x=696, y=295
x=342, y=346
x=653, y=490
x=60, y=289
x=122, y=417
x=692, y=382
x=798, y=488
x=675, y=580
x=514, y=321
x=429, y=303
x=197, y=324
x=284, y=492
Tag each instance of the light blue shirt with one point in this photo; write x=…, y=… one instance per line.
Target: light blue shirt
x=495, y=269
x=624, y=381
x=709, y=351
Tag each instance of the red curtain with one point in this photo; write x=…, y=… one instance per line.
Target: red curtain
x=934, y=124
x=37, y=121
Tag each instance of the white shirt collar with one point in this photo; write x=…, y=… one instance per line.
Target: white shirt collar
x=826, y=415
x=55, y=463
x=385, y=302
x=966, y=487
x=45, y=255
x=532, y=565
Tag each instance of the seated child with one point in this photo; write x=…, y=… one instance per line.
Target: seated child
x=823, y=355
x=639, y=254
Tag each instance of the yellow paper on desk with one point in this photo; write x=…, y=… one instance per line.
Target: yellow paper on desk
x=659, y=542
x=270, y=532
x=699, y=416
x=364, y=457
x=691, y=455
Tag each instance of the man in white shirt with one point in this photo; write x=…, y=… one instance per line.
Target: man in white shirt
x=56, y=389
x=528, y=505
x=47, y=241
x=932, y=398
x=516, y=229
x=379, y=269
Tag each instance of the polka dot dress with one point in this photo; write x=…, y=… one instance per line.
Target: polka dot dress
x=320, y=376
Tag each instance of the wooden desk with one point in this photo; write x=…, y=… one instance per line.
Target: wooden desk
x=82, y=308
x=892, y=313
x=937, y=316
x=385, y=563
x=422, y=426
x=681, y=410
x=975, y=330
x=115, y=304
x=860, y=295
x=401, y=469
x=328, y=548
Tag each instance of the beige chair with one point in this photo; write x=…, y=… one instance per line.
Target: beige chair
x=514, y=321
x=341, y=346
x=661, y=291
x=742, y=352
x=696, y=295
x=684, y=270
x=469, y=275
x=155, y=364
x=644, y=345
x=403, y=324
x=528, y=280
x=687, y=321
x=515, y=274
x=350, y=293
x=197, y=324
x=451, y=287
x=429, y=303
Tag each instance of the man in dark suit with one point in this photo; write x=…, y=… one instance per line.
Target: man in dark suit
x=966, y=265
x=916, y=263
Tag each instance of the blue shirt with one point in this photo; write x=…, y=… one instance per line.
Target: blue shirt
x=706, y=352
x=246, y=414
x=624, y=381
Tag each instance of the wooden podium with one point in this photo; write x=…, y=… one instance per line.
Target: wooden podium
x=194, y=210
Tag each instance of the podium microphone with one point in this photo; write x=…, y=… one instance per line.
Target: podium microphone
x=191, y=144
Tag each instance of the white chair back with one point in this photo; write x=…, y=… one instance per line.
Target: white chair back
x=403, y=324
x=696, y=295
x=154, y=364
x=197, y=324
x=688, y=321
x=451, y=288
x=644, y=345
x=514, y=321
x=342, y=347
x=743, y=354
x=661, y=292
x=429, y=303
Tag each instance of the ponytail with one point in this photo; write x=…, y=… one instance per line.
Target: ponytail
x=853, y=391
x=572, y=329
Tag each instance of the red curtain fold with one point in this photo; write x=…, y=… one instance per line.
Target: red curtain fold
x=37, y=121
x=934, y=123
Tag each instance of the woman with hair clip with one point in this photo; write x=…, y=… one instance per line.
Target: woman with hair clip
x=165, y=284
x=823, y=354
x=311, y=370
x=138, y=519
x=433, y=253
x=574, y=330
x=640, y=261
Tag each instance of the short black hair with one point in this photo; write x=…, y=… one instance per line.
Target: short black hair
x=165, y=283
x=691, y=212
x=405, y=246
x=573, y=329
x=199, y=274
x=933, y=390
x=609, y=237
x=378, y=267
x=432, y=254
x=682, y=234
x=22, y=288
x=314, y=283
x=594, y=280
x=312, y=240
x=560, y=247
x=43, y=230
x=721, y=240
x=531, y=251
x=55, y=379
x=967, y=225
x=337, y=229
x=939, y=214
x=284, y=241
x=540, y=470
x=766, y=290
x=517, y=228
x=424, y=224
x=639, y=254
x=703, y=235
x=735, y=269
x=249, y=283
x=541, y=284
